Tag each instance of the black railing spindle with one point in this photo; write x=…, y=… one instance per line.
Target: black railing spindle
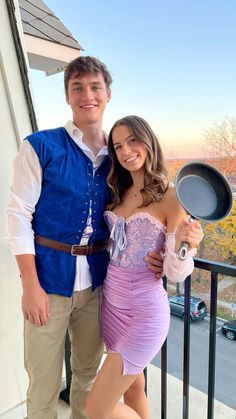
x=212, y=345
x=186, y=354
x=164, y=372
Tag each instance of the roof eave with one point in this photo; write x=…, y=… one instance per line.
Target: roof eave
x=47, y=56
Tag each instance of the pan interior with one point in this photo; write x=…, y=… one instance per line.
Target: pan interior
x=197, y=196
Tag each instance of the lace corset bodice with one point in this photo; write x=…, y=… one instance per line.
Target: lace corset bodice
x=134, y=237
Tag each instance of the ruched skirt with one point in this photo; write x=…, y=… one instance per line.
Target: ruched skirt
x=136, y=316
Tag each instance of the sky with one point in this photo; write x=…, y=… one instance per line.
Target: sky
x=173, y=62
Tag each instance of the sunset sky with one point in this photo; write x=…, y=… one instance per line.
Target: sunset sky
x=173, y=62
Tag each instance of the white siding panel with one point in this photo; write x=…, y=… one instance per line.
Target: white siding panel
x=14, y=125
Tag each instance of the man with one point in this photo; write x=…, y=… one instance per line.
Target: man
x=58, y=235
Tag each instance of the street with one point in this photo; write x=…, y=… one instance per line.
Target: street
x=225, y=380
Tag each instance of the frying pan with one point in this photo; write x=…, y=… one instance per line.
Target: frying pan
x=204, y=193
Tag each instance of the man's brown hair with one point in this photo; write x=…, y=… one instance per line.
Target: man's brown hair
x=86, y=65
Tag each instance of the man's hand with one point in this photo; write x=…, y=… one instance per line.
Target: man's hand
x=35, y=301
x=154, y=262
x=35, y=305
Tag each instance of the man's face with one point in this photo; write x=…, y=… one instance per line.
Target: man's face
x=88, y=95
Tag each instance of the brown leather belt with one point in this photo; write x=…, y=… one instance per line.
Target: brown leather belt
x=73, y=249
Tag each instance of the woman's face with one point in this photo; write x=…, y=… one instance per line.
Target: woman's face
x=131, y=153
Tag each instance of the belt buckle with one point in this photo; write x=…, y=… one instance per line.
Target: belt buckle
x=73, y=249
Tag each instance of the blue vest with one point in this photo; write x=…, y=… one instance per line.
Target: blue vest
x=62, y=210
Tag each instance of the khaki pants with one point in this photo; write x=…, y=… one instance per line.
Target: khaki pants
x=44, y=352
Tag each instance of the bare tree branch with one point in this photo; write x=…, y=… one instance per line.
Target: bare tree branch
x=220, y=139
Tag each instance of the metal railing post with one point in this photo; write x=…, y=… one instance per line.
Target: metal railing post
x=212, y=345
x=186, y=354
x=164, y=372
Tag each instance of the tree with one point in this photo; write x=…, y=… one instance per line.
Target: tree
x=220, y=145
x=220, y=237
x=220, y=140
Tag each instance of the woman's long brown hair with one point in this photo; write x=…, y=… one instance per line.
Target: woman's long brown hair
x=155, y=176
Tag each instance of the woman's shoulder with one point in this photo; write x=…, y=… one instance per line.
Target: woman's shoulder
x=166, y=206
x=170, y=195
x=171, y=203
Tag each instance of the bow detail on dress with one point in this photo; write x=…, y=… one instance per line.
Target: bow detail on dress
x=118, y=237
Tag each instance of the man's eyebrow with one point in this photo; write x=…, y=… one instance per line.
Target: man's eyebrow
x=96, y=82
x=81, y=84
x=76, y=83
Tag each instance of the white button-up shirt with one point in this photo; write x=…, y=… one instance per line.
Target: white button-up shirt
x=24, y=195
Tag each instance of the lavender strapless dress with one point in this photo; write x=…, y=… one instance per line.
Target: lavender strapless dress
x=136, y=312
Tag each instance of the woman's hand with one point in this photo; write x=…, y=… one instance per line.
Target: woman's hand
x=190, y=232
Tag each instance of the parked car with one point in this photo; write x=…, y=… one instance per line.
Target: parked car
x=198, y=308
x=229, y=329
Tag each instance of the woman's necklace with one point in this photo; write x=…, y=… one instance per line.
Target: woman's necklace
x=135, y=193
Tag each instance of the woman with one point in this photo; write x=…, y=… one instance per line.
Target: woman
x=144, y=215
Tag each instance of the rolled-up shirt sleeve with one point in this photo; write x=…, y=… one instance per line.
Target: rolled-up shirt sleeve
x=24, y=195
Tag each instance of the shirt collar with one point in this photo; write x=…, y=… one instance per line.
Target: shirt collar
x=77, y=135
x=74, y=132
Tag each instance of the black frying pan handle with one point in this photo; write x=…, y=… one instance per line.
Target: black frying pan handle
x=183, y=250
